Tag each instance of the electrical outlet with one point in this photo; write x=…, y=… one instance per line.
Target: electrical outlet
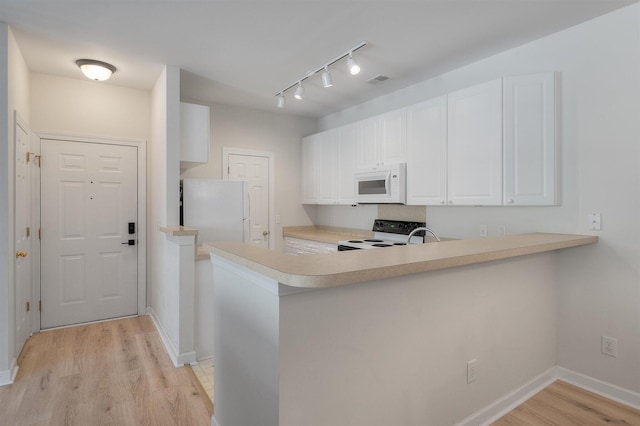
x=595, y=221
x=471, y=371
x=277, y=218
x=483, y=230
x=610, y=346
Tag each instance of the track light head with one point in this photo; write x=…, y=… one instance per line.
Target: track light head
x=299, y=92
x=326, y=78
x=281, y=100
x=353, y=66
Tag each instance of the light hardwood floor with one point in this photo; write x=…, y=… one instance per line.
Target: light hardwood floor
x=110, y=373
x=563, y=404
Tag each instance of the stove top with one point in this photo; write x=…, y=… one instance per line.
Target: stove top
x=387, y=233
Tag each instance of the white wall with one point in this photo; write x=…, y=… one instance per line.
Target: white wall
x=14, y=96
x=163, y=187
x=252, y=129
x=599, y=289
x=87, y=107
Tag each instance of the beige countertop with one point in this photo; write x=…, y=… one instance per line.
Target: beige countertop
x=324, y=234
x=334, y=269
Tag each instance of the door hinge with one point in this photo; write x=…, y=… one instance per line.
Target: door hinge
x=39, y=233
x=39, y=157
x=28, y=231
x=29, y=154
x=28, y=306
x=39, y=305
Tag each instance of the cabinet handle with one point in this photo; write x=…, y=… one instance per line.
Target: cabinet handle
x=21, y=254
x=450, y=202
x=510, y=201
x=441, y=201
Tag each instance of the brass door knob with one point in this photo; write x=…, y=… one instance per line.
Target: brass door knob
x=21, y=254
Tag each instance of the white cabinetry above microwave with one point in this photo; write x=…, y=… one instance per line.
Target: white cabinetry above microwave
x=382, y=140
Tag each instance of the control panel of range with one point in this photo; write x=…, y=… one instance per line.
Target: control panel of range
x=397, y=226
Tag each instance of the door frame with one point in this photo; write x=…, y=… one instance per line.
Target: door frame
x=141, y=146
x=226, y=151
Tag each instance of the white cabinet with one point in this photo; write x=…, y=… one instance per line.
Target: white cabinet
x=474, y=145
x=310, y=163
x=529, y=140
x=381, y=140
x=301, y=247
x=327, y=152
x=427, y=152
x=194, y=135
x=346, y=161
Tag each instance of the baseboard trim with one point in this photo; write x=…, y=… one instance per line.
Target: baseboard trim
x=607, y=390
x=502, y=406
x=168, y=346
x=8, y=376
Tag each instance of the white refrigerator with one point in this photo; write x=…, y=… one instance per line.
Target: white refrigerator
x=218, y=209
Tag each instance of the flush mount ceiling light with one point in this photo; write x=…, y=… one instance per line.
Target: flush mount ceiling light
x=95, y=70
x=353, y=66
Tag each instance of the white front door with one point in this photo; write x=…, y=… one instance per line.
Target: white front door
x=22, y=233
x=255, y=170
x=89, y=197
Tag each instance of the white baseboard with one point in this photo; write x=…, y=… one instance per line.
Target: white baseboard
x=177, y=359
x=599, y=387
x=8, y=376
x=502, y=406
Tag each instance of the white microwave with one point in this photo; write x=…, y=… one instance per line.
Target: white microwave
x=383, y=185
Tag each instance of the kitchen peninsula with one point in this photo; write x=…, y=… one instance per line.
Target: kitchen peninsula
x=376, y=337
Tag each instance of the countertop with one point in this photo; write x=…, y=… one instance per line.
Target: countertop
x=325, y=234
x=334, y=269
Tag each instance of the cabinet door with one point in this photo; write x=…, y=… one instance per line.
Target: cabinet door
x=367, y=143
x=194, y=134
x=530, y=140
x=327, y=167
x=392, y=140
x=310, y=170
x=347, y=137
x=427, y=152
x=474, y=151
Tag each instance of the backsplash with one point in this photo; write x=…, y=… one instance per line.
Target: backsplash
x=362, y=216
x=402, y=212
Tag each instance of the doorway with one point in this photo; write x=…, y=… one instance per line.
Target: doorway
x=93, y=230
x=255, y=167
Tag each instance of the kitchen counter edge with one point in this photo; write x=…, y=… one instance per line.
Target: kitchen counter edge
x=334, y=269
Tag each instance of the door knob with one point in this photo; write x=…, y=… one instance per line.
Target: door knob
x=21, y=254
x=265, y=233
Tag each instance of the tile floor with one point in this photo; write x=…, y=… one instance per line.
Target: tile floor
x=204, y=373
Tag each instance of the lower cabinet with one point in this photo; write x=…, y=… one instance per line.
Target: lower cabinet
x=300, y=247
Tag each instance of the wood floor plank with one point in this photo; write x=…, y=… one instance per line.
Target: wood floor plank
x=562, y=404
x=110, y=373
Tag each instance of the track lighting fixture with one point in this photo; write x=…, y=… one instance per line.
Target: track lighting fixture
x=95, y=70
x=299, y=91
x=353, y=66
x=326, y=78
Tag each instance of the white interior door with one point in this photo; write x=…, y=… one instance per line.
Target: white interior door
x=22, y=233
x=254, y=169
x=89, y=197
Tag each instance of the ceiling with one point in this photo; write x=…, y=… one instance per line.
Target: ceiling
x=243, y=52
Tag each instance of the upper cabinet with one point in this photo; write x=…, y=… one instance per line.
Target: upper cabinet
x=194, y=135
x=427, y=152
x=474, y=148
x=310, y=163
x=530, y=140
x=382, y=140
x=487, y=145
